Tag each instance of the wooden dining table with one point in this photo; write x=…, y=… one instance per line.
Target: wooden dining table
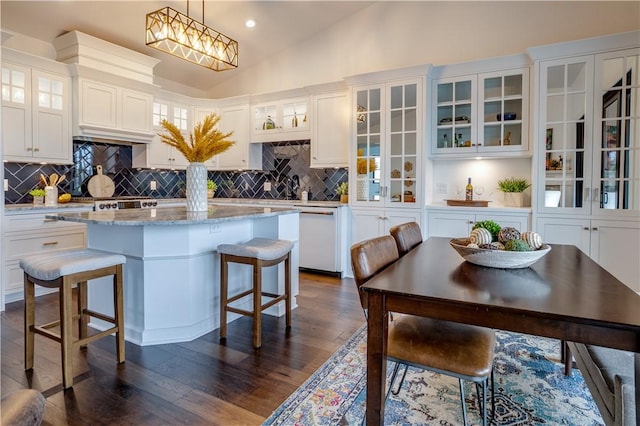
x=565, y=295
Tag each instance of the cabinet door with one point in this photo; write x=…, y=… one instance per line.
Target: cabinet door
x=615, y=245
x=136, y=111
x=393, y=218
x=503, y=111
x=520, y=222
x=565, y=231
x=366, y=180
x=616, y=148
x=330, y=142
x=453, y=225
x=16, y=112
x=565, y=132
x=241, y=155
x=401, y=165
x=365, y=224
x=51, y=119
x=454, y=127
x=98, y=104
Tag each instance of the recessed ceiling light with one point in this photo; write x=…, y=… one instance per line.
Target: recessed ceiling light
x=250, y=23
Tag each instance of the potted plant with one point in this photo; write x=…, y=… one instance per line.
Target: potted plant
x=38, y=195
x=513, y=189
x=211, y=188
x=204, y=142
x=343, y=191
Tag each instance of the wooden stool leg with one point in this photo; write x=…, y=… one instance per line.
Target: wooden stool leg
x=224, y=285
x=118, y=309
x=29, y=321
x=287, y=288
x=66, y=330
x=257, y=303
x=83, y=321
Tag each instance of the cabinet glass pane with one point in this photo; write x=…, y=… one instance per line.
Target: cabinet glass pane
x=410, y=120
x=513, y=85
x=493, y=88
x=463, y=91
x=445, y=92
x=410, y=95
x=619, y=148
x=396, y=97
x=396, y=147
x=368, y=126
x=396, y=121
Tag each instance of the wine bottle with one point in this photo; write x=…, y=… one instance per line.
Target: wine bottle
x=468, y=195
x=445, y=141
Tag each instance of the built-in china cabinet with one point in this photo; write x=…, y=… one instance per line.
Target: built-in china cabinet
x=588, y=139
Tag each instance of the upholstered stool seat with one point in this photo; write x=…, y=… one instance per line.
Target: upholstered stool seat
x=258, y=252
x=62, y=270
x=23, y=407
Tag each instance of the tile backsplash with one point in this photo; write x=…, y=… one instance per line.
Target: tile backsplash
x=284, y=163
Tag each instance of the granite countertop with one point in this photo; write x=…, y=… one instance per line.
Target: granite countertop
x=170, y=215
x=36, y=208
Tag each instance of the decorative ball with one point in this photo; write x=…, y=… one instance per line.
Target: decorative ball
x=480, y=236
x=517, y=245
x=472, y=245
x=533, y=239
x=508, y=233
x=496, y=245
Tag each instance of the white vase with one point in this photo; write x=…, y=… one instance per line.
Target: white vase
x=196, y=187
x=50, y=195
x=362, y=193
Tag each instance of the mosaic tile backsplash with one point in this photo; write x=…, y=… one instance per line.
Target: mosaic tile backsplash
x=286, y=165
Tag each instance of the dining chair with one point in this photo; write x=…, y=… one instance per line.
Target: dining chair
x=407, y=235
x=458, y=350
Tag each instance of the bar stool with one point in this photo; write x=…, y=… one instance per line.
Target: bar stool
x=258, y=252
x=61, y=270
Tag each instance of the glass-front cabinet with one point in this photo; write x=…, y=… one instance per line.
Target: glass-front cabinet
x=591, y=139
x=480, y=113
x=385, y=165
x=272, y=119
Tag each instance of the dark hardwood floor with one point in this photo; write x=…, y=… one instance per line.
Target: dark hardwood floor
x=202, y=382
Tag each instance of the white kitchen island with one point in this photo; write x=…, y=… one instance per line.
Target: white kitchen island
x=172, y=275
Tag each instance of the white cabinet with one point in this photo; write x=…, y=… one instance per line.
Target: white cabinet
x=458, y=223
x=25, y=233
x=109, y=111
x=371, y=223
x=330, y=140
x=280, y=120
x=386, y=160
x=588, y=191
x=485, y=113
x=36, y=118
x=614, y=244
x=242, y=155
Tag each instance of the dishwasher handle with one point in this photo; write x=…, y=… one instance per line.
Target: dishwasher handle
x=318, y=213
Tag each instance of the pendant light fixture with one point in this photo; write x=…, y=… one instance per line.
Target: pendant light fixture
x=179, y=35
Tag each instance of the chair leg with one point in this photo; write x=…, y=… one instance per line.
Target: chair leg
x=484, y=403
x=464, y=405
x=118, y=307
x=224, y=273
x=568, y=359
x=287, y=288
x=66, y=330
x=82, y=305
x=29, y=321
x=257, y=304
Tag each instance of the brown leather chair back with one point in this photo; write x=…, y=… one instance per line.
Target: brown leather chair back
x=370, y=257
x=407, y=236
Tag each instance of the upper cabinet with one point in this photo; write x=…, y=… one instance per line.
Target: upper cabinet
x=281, y=120
x=110, y=111
x=480, y=114
x=386, y=154
x=242, y=155
x=330, y=140
x=589, y=134
x=36, y=117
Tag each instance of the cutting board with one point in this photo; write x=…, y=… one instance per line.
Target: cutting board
x=100, y=186
x=465, y=203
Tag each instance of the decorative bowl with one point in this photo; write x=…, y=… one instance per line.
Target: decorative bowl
x=498, y=258
x=506, y=116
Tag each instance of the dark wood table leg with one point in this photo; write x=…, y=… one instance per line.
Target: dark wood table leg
x=637, y=378
x=376, y=358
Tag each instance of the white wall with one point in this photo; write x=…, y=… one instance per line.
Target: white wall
x=391, y=35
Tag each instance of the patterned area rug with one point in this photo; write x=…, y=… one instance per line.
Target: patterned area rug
x=531, y=389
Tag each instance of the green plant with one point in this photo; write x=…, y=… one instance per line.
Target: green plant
x=490, y=226
x=37, y=192
x=342, y=188
x=205, y=141
x=230, y=184
x=211, y=185
x=513, y=184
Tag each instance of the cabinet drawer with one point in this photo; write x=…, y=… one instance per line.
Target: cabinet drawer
x=38, y=222
x=18, y=246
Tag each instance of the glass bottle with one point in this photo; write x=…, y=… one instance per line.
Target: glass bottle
x=468, y=195
x=445, y=141
x=460, y=141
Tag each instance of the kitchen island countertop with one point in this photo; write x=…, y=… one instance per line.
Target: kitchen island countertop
x=171, y=215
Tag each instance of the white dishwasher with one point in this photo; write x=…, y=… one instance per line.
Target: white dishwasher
x=319, y=238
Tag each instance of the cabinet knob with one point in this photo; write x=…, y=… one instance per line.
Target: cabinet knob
x=36, y=149
x=595, y=228
x=471, y=222
x=29, y=149
x=586, y=228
